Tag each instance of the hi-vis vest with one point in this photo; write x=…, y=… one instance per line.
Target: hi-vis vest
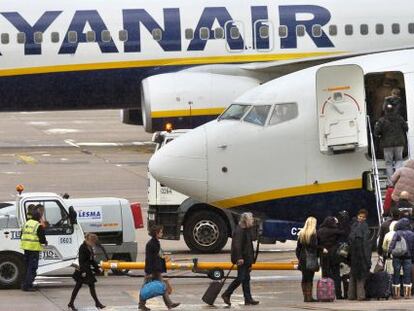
x=29, y=239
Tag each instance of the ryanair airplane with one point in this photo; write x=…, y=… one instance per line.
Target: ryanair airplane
x=179, y=61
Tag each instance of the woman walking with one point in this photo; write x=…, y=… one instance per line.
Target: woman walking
x=155, y=266
x=307, y=254
x=88, y=267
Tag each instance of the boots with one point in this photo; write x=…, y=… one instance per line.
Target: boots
x=396, y=291
x=307, y=292
x=407, y=291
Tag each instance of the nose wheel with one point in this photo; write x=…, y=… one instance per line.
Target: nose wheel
x=205, y=232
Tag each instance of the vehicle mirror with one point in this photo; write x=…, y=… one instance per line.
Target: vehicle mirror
x=72, y=215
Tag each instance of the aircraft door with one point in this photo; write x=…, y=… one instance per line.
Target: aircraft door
x=340, y=93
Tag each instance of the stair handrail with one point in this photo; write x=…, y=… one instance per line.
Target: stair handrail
x=378, y=196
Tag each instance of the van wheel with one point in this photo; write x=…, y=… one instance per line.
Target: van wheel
x=205, y=232
x=12, y=271
x=120, y=257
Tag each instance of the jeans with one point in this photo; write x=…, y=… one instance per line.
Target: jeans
x=405, y=264
x=243, y=278
x=31, y=259
x=391, y=155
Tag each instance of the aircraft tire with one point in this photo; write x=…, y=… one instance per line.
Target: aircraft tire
x=12, y=271
x=205, y=232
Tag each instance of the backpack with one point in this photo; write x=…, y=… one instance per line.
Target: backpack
x=400, y=249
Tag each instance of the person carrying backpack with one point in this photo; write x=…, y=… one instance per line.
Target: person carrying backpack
x=402, y=249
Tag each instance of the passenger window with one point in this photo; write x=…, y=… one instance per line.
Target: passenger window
x=21, y=37
x=258, y=115
x=234, y=33
x=219, y=33
x=333, y=30
x=5, y=38
x=106, y=36
x=157, y=34
x=38, y=37
x=349, y=30
x=204, y=33
x=123, y=35
x=379, y=29
x=189, y=34
x=364, y=29
x=72, y=36
x=234, y=112
x=411, y=28
x=90, y=36
x=317, y=30
x=264, y=31
x=395, y=28
x=300, y=30
x=283, y=30
x=283, y=112
x=54, y=37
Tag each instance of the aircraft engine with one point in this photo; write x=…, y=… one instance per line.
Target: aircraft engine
x=188, y=99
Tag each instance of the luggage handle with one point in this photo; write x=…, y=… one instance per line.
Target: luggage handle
x=227, y=275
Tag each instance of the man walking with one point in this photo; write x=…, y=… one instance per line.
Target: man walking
x=242, y=254
x=391, y=129
x=32, y=238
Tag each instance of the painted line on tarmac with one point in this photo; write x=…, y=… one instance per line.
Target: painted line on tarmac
x=107, y=144
x=26, y=159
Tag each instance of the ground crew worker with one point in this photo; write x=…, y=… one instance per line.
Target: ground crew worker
x=32, y=238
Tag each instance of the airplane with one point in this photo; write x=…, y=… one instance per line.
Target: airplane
x=297, y=146
x=181, y=62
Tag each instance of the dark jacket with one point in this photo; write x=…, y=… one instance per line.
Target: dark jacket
x=242, y=246
x=301, y=250
x=391, y=129
x=384, y=229
x=344, y=224
x=41, y=234
x=403, y=229
x=360, y=250
x=154, y=263
x=87, y=264
x=329, y=234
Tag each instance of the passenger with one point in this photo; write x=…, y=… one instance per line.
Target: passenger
x=360, y=256
x=403, y=179
x=384, y=230
x=242, y=254
x=402, y=257
x=155, y=265
x=88, y=267
x=32, y=238
x=391, y=129
x=329, y=235
x=386, y=241
x=344, y=224
x=394, y=100
x=307, y=254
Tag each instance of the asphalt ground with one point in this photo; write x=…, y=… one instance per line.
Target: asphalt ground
x=92, y=154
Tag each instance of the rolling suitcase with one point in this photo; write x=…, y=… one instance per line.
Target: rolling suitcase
x=325, y=290
x=214, y=290
x=378, y=285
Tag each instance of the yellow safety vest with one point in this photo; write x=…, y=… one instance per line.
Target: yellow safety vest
x=29, y=239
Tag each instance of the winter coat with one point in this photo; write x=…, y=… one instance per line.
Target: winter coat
x=242, y=246
x=384, y=230
x=403, y=180
x=403, y=229
x=344, y=224
x=360, y=250
x=301, y=250
x=386, y=241
x=87, y=265
x=154, y=261
x=391, y=129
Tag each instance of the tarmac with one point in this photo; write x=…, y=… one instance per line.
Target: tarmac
x=92, y=154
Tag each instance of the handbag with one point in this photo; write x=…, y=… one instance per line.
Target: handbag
x=380, y=266
x=312, y=263
x=152, y=289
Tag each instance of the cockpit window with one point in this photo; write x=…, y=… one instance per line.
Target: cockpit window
x=283, y=112
x=258, y=115
x=234, y=112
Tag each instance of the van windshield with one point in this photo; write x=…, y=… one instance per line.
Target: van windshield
x=234, y=112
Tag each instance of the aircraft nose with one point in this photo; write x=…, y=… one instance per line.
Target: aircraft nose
x=182, y=164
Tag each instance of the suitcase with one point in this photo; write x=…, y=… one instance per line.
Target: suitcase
x=378, y=285
x=214, y=290
x=325, y=290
